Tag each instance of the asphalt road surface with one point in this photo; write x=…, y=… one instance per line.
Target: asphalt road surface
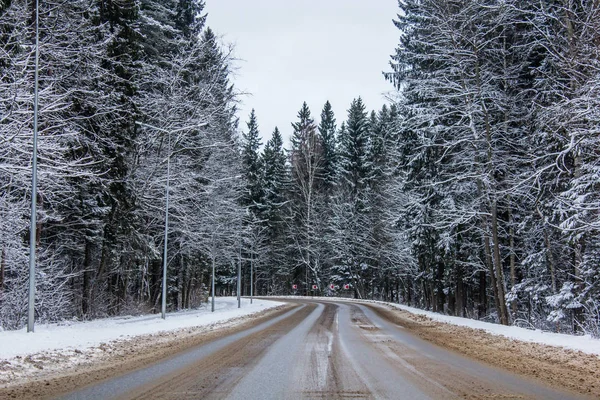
x=320, y=350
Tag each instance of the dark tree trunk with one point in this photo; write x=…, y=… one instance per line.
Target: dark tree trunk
x=459, y=305
x=2, y=268
x=87, y=274
x=482, y=306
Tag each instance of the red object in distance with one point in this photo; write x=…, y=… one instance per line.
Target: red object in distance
x=314, y=287
x=331, y=286
x=294, y=287
x=346, y=287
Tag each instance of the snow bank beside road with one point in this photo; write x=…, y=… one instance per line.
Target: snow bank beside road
x=585, y=344
x=84, y=335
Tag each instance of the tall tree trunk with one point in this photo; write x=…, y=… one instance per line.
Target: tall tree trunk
x=459, y=305
x=481, y=311
x=549, y=255
x=502, y=311
x=441, y=296
x=513, y=271
x=490, y=267
x=2, y=268
x=87, y=273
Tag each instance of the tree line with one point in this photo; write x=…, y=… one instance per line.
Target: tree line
x=499, y=158
x=124, y=86
x=324, y=211
x=473, y=193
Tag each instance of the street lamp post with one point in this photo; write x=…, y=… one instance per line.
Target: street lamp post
x=33, y=221
x=212, y=281
x=163, y=308
x=239, y=273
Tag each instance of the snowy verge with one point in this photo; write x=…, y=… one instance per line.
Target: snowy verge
x=585, y=344
x=84, y=335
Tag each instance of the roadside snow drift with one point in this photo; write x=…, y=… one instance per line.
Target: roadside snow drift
x=585, y=344
x=84, y=335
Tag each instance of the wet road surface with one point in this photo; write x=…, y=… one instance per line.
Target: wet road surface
x=320, y=350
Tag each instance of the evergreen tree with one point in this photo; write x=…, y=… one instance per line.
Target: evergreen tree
x=351, y=205
x=275, y=183
x=188, y=17
x=214, y=68
x=274, y=178
x=306, y=159
x=353, y=150
x=71, y=48
x=327, y=129
x=253, y=167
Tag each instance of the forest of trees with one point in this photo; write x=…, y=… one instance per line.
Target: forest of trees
x=499, y=159
x=107, y=67
x=475, y=192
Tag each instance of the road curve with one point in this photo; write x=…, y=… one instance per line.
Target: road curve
x=320, y=350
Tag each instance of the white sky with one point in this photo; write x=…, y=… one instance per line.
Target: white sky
x=292, y=51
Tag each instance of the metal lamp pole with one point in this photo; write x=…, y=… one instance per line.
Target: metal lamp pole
x=212, y=300
x=32, y=228
x=239, y=274
x=163, y=308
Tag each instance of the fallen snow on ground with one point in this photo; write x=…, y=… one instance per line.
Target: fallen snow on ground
x=586, y=344
x=85, y=335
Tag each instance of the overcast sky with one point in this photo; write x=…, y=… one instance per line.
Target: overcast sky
x=292, y=51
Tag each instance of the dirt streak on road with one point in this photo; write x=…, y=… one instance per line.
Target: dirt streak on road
x=323, y=371
x=216, y=375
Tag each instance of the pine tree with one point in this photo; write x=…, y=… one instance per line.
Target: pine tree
x=327, y=130
x=253, y=198
x=566, y=141
x=275, y=183
x=106, y=65
x=188, y=18
x=353, y=149
x=306, y=159
x=351, y=205
x=72, y=144
x=274, y=178
x=214, y=69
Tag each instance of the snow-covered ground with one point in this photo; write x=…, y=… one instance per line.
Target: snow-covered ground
x=586, y=344
x=84, y=335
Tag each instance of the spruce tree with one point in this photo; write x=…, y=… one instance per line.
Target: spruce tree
x=327, y=129
x=354, y=162
x=253, y=196
x=306, y=159
x=213, y=70
x=274, y=178
x=350, y=207
x=188, y=17
x=276, y=216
